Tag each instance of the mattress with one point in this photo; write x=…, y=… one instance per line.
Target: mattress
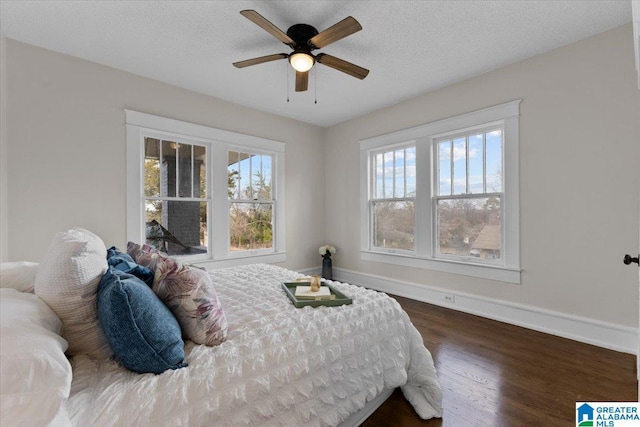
x=280, y=365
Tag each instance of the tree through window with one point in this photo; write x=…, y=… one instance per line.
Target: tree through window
x=250, y=178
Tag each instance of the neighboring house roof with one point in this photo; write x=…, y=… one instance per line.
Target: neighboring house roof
x=488, y=239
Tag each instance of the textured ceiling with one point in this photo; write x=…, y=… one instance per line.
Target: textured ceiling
x=411, y=47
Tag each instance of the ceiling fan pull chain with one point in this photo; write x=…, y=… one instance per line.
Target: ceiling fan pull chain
x=287, y=83
x=315, y=85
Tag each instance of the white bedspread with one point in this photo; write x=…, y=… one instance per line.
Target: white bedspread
x=280, y=366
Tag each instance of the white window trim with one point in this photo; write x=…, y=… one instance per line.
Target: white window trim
x=139, y=125
x=507, y=115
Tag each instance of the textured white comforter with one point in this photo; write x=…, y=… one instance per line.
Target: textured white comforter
x=280, y=366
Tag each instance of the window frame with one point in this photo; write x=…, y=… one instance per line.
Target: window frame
x=425, y=136
x=373, y=199
x=436, y=196
x=219, y=143
x=271, y=201
x=165, y=136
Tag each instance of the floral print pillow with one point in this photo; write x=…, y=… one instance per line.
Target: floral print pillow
x=188, y=292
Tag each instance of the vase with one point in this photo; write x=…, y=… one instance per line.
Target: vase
x=327, y=269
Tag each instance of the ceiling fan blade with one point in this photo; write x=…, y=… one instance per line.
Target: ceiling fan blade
x=342, y=65
x=342, y=29
x=302, y=81
x=260, y=60
x=263, y=23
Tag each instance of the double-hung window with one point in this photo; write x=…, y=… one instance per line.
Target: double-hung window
x=175, y=195
x=212, y=196
x=392, y=204
x=444, y=195
x=251, y=201
x=468, y=187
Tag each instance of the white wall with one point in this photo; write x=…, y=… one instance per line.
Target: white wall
x=579, y=178
x=3, y=150
x=579, y=165
x=66, y=146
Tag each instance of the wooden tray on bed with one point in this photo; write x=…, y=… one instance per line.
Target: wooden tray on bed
x=290, y=290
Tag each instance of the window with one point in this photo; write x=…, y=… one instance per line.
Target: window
x=213, y=196
x=468, y=195
x=392, y=204
x=250, y=201
x=444, y=195
x=175, y=196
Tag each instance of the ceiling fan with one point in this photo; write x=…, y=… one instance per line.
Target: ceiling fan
x=303, y=39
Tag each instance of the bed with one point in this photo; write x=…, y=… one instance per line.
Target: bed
x=279, y=365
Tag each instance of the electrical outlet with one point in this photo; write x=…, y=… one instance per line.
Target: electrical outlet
x=451, y=299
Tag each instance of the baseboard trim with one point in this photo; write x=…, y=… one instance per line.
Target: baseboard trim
x=310, y=271
x=590, y=331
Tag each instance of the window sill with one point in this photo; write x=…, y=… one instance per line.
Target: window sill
x=270, y=258
x=482, y=271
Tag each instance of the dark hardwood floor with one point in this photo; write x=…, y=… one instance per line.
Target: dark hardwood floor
x=500, y=375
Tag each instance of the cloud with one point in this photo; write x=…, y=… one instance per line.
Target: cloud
x=459, y=153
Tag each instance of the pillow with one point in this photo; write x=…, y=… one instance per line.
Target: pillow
x=67, y=280
x=189, y=294
x=141, y=330
x=35, y=375
x=123, y=262
x=19, y=275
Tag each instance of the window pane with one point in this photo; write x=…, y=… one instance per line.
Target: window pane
x=394, y=225
x=267, y=175
x=410, y=163
x=233, y=175
x=379, y=170
x=250, y=226
x=184, y=170
x=177, y=227
x=260, y=180
x=151, y=167
x=388, y=175
x=494, y=161
x=459, y=166
x=255, y=176
x=444, y=168
x=469, y=227
x=476, y=164
x=399, y=174
x=395, y=174
x=200, y=171
x=168, y=169
x=244, y=177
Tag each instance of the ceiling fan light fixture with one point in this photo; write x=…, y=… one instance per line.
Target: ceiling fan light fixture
x=301, y=61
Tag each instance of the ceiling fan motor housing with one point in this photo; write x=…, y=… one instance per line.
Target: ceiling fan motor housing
x=301, y=33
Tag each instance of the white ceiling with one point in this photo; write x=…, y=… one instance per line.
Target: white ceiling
x=410, y=47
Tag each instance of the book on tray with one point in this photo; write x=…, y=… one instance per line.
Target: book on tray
x=305, y=292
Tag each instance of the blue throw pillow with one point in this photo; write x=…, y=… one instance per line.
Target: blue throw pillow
x=143, y=333
x=123, y=262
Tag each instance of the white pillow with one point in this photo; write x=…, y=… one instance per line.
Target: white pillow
x=67, y=280
x=19, y=275
x=35, y=375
